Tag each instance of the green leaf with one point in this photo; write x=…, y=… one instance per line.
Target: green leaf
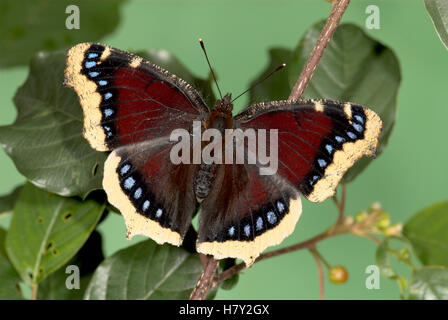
x=46, y=142
x=24, y=29
x=54, y=287
x=427, y=230
x=429, y=283
x=47, y=230
x=3, y=234
x=231, y=282
x=146, y=271
x=9, y=281
x=354, y=68
x=86, y=259
x=438, y=11
x=9, y=278
x=169, y=62
x=7, y=201
x=275, y=87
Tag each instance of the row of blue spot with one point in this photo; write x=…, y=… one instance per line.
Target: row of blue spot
x=108, y=112
x=358, y=126
x=129, y=184
x=271, y=218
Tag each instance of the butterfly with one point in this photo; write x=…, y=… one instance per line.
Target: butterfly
x=132, y=106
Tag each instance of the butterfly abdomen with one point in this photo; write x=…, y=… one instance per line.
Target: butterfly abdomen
x=203, y=181
x=219, y=120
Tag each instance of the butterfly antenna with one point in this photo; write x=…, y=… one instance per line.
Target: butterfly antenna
x=260, y=81
x=209, y=65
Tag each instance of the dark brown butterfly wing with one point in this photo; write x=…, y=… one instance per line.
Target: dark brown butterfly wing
x=131, y=107
x=318, y=140
x=246, y=212
x=155, y=196
x=127, y=99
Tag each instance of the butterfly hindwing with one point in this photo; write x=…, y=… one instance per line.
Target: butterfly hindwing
x=155, y=196
x=127, y=99
x=318, y=140
x=246, y=212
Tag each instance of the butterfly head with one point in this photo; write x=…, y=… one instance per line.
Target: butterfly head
x=224, y=104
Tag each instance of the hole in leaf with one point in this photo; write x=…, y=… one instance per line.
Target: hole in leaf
x=55, y=252
x=67, y=216
x=40, y=219
x=50, y=245
x=41, y=270
x=30, y=274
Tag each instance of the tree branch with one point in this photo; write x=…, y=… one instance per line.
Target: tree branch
x=341, y=203
x=327, y=32
x=320, y=271
x=205, y=281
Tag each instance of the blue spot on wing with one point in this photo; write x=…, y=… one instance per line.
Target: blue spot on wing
x=351, y=135
x=232, y=231
x=358, y=127
x=146, y=205
x=272, y=218
x=359, y=118
x=138, y=193
x=280, y=206
x=108, y=112
x=259, y=224
x=322, y=163
x=313, y=180
x=125, y=169
x=90, y=64
x=247, y=230
x=129, y=183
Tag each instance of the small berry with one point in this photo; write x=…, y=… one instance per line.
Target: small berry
x=338, y=274
x=383, y=220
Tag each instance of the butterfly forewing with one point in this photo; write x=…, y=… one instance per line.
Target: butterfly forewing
x=127, y=99
x=318, y=140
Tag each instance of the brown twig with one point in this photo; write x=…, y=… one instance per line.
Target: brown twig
x=205, y=281
x=327, y=32
x=203, y=259
x=320, y=271
x=341, y=203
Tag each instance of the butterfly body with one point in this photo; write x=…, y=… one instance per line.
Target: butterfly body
x=132, y=107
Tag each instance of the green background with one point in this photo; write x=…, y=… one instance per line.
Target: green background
x=410, y=175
